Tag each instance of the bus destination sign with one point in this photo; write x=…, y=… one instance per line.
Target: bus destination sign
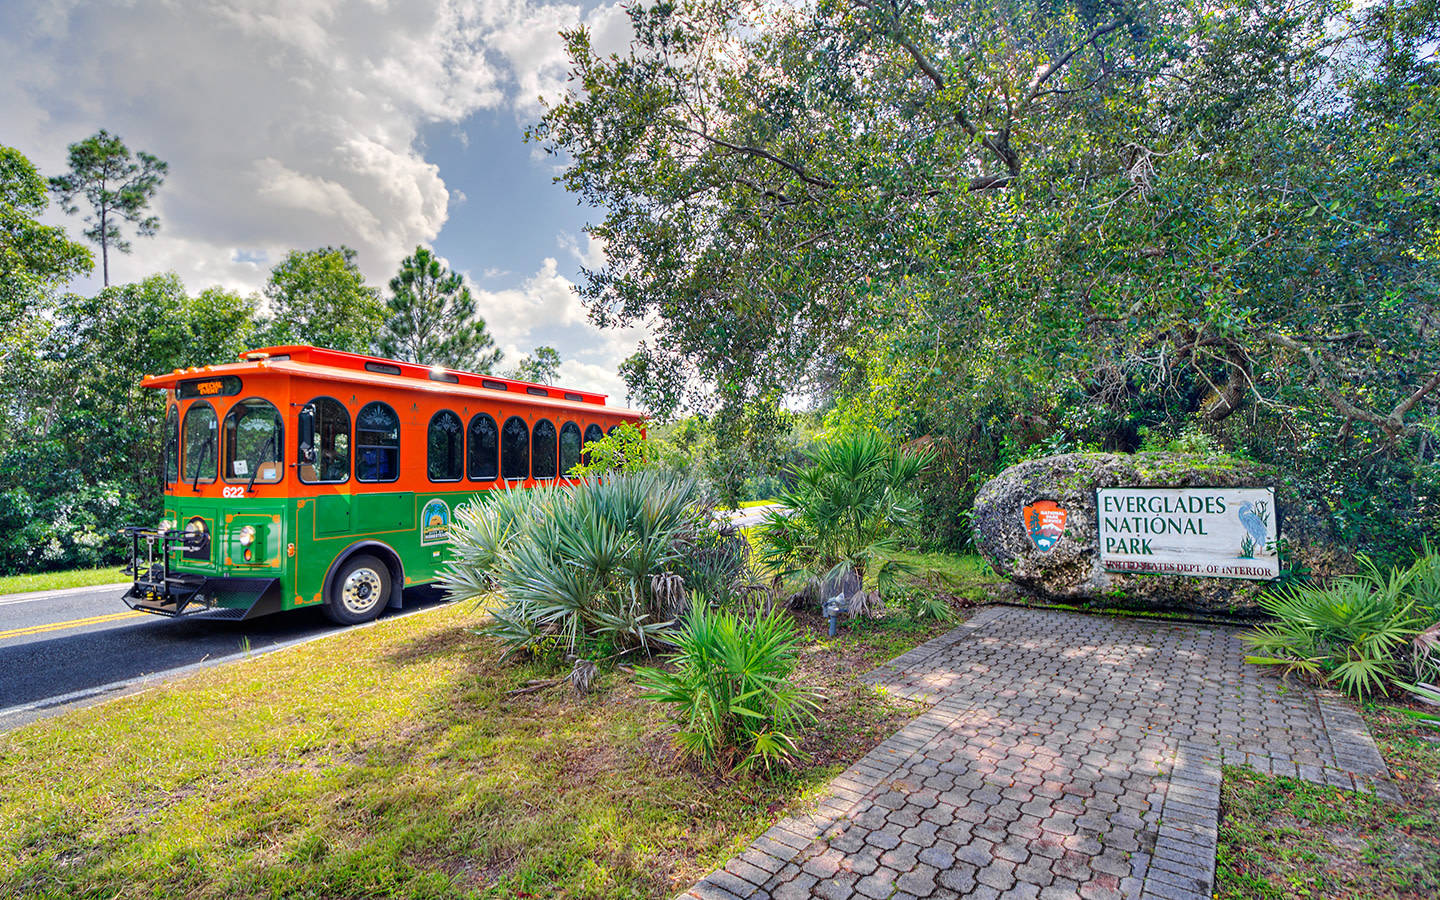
x=1202, y=532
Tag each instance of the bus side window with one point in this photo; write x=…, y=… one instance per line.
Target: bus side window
x=324, y=442
x=445, y=447
x=377, y=443
x=542, y=455
x=515, y=449
x=569, y=448
x=593, y=433
x=483, y=462
x=172, y=444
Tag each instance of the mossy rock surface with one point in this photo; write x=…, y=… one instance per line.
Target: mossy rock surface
x=1071, y=570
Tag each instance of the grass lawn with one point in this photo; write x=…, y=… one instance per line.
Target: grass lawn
x=391, y=761
x=1283, y=838
x=47, y=581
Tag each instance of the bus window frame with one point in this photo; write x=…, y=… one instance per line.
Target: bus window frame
x=399, y=445
x=511, y=478
x=460, y=432
x=579, y=447
x=172, y=450
x=214, y=451
x=586, y=439
x=554, y=449
x=279, y=445
x=469, y=443
x=349, y=441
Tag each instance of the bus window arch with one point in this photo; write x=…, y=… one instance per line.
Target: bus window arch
x=445, y=443
x=483, y=461
x=324, y=442
x=542, y=457
x=254, y=443
x=172, y=444
x=198, y=441
x=593, y=433
x=377, y=443
x=515, y=449
x=569, y=448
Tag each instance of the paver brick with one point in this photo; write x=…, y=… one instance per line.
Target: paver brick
x=1063, y=755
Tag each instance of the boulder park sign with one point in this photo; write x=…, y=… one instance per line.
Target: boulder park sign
x=1201, y=533
x=1205, y=532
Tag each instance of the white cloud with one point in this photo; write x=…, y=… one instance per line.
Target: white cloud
x=286, y=123
x=292, y=124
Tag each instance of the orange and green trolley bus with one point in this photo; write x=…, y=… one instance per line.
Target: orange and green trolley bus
x=301, y=477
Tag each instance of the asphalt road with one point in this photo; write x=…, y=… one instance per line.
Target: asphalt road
x=62, y=649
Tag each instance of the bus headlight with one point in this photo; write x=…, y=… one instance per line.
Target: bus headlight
x=167, y=525
x=247, y=535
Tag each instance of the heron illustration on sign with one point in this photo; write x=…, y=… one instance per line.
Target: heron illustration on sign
x=1256, y=519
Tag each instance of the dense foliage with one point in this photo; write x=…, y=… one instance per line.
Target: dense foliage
x=79, y=437
x=1358, y=633
x=1015, y=228
x=729, y=684
x=320, y=297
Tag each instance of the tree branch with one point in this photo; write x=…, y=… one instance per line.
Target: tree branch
x=762, y=153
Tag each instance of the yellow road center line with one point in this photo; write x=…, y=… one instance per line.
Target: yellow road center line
x=73, y=623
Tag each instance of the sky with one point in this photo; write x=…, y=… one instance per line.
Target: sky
x=295, y=124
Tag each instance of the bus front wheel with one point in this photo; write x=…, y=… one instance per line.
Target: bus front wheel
x=358, y=591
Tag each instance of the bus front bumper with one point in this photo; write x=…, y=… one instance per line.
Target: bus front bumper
x=204, y=597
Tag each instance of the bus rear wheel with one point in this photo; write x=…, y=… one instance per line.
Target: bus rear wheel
x=358, y=591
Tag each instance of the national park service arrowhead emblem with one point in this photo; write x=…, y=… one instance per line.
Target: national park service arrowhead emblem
x=1045, y=523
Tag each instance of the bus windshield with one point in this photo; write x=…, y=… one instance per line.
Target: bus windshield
x=253, y=443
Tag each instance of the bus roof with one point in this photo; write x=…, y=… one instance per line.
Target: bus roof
x=338, y=365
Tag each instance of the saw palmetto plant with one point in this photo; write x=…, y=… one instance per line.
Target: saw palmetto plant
x=1355, y=633
x=576, y=565
x=847, y=511
x=731, y=691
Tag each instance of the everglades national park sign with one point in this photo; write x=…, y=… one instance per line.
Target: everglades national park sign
x=1203, y=532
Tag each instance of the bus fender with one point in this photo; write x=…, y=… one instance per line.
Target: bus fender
x=382, y=552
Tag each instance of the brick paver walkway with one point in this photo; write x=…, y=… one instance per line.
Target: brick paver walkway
x=1064, y=755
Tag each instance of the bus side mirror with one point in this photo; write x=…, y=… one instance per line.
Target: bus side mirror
x=307, y=435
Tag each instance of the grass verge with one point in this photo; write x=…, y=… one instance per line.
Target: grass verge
x=1284, y=838
x=49, y=581
x=393, y=761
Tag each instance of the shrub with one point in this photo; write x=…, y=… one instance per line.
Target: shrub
x=1355, y=633
x=578, y=566
x=846, y=512
x=731, y=691
x=623, y=451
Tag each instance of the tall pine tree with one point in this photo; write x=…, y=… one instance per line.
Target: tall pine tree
x=118, y=188
x=433, y=319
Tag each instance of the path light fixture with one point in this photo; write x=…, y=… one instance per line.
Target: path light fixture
x=832, y=608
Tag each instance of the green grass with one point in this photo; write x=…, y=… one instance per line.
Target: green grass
x=963, y=575
x=48, y=581
x=747, y=504
x=1284, y=838
x=392, y=761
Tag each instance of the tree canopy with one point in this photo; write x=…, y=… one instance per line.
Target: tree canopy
x=320, y=297
x=1016, y=225
x=34, y=258
x=541, y=366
